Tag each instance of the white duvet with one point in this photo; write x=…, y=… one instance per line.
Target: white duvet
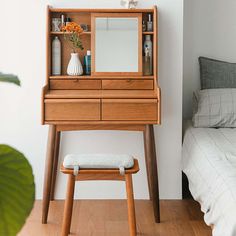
x=209, y=161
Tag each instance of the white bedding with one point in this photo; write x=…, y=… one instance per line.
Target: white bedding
x=209, y=161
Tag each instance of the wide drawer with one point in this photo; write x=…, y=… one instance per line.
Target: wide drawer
x=127, y=84
x=129, y=109
x=72, y=109
x=75, y=84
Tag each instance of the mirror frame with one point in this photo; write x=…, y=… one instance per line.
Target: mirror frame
x=93, y=38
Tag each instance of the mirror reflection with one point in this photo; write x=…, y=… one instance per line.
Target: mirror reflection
x=116, y=44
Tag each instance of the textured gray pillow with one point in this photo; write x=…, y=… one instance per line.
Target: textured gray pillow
x=215, y=108
x=217, y=74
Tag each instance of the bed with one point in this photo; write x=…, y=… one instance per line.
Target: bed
x=209, y=161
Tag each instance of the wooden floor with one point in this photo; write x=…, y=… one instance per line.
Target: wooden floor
x=109, y=218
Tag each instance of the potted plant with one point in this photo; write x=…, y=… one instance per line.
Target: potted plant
x=72, y=33
x=17, y=188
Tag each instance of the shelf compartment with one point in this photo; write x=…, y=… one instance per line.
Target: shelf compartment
x=66, y=51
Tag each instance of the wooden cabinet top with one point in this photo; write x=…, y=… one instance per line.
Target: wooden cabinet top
x=102, y=10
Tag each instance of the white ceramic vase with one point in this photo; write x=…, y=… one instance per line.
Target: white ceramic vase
x=74, y=67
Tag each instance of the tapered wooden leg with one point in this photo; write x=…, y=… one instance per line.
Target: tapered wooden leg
x=130, y=203
x=68, y=206
x=48, y=172
x=151, y=162
x=148, y=161
x=55, y=164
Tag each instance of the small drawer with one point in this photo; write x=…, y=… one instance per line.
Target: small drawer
x=129, y=109
x=72, y=109
x=127, y=84
x=75, y=84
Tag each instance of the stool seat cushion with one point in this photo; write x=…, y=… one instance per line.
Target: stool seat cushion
x=98, y=161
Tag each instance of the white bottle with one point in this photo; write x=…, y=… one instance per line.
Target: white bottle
x=149, y=23
x=56, y=56
x=148, y=44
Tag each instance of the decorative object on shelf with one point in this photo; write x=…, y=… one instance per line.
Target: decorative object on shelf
x=56, y=56
x=146, y=62
x=149, y=23
x=74, y=66
x=144, y=27
x=148, y=44
x=85, y=27
x=67, y=20
x=130, y=4
x=56, y=24
x=87, y=63
x=63, y=21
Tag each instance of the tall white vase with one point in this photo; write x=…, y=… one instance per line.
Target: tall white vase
x=75, y=67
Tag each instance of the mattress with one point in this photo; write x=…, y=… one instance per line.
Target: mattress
x=209, y=161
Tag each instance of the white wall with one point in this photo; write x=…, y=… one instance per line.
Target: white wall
x=209, y=30
x=22, y=51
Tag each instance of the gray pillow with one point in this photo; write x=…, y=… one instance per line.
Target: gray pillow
x=217, y=74
x=215, y=108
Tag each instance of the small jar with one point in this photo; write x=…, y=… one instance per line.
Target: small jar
x=68, y=20
x=144, y=26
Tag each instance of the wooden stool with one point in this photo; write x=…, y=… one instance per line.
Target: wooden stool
x=99, y=174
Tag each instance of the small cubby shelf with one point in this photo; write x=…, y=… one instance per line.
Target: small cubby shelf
x=147, y=32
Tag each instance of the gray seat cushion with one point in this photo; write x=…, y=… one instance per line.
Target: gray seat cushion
x=98, y=161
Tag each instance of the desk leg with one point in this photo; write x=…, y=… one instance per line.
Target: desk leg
x=151, y=163
x=55, y=164
x=48, y=172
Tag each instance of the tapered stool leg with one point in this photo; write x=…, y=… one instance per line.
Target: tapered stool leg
x=68, y=206
x=130, y=203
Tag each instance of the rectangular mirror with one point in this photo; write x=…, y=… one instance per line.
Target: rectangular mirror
x=117, y=44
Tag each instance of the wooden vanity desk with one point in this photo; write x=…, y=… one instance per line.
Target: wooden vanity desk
x=104, y=100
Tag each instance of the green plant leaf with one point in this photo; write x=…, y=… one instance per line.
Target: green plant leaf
x=9, y=78
x=17, y=190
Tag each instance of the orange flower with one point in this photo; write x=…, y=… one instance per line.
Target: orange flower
x=72, y=27
x=74, y=30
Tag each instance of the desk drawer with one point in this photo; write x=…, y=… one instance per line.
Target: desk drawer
x=127, y=84
x=72, y=109
x=129, y=109
x=75, y=84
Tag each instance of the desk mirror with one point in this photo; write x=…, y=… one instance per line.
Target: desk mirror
x=117, y=44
